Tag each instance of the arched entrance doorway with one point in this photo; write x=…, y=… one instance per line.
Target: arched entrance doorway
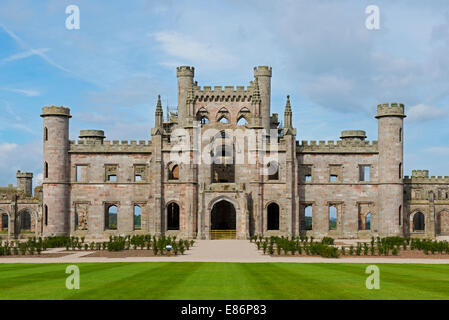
x=223, y=220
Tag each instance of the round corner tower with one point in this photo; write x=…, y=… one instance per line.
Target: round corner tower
x=263, y=76
x=185, y=75
x=390, y=168
x=56, y=204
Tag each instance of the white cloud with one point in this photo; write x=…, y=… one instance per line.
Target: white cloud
x=423, y=112
x=191, y=51
x=13, y=157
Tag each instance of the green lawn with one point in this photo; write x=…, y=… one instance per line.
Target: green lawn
x=177, y=280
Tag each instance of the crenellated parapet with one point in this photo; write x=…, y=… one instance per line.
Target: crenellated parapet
x=228, y=93
x=422, y=177
x=340, y=146
x=390, y=110
x=185, y=71
x=114, y=146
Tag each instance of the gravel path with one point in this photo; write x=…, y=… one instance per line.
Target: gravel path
x=219, y=251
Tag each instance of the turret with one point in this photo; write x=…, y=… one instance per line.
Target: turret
x=263, y=76
x=185, y=76
x=56, y=170
x=288, y=114
x=25, y=182
x=390, y=167
x=92, y=136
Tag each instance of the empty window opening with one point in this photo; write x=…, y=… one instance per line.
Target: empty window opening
x=173, y=216
x=400, y=134
x=400, y=171
x=4, y=221
x=418, y=222
x=137, y=217
x=204, y=120
x=273, y=217
x=139, y=173
x=25, y=221
x=308, y=217
x=45, y=134
x=173, y=172
x=81, y=173
x=110, y=221
x=365, y=172
x=223, y=120
x=400, y=215
x=332, y=218
x=111, y=172
x=77, y=222
x=333, y=178
x=46, y=215
x=242, y=121
x=273, y=170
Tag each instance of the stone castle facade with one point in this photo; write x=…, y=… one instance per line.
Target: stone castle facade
x=271, y=185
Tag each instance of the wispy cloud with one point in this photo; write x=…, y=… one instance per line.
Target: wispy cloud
x=423, y=112
x=27, y=92
x=25, y=54
x=30, y=51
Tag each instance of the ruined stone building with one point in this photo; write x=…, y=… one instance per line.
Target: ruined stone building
x=271, y=185
x=20, y=211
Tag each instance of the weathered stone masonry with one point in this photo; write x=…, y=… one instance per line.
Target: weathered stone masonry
x=349, y=188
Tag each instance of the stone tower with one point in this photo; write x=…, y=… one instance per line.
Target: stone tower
x=390, y=168
x=185, y=76
x=56, y=170
x=25, y=182
x=263, y=76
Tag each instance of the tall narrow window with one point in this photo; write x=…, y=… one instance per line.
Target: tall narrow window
x=418, y=222
x=173, y=216
x=45, y=134
x=4, y=221
x=46, y=170
x=368, y=221
x=400, y=134
x=400, y=171
x=308, y=217
x=81, y=173
x=137, y=217
x=46, y=215
x=365, y=172
x=77, y=221
x=332, y=218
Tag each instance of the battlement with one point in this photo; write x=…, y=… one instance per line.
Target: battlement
x=426, y=180
x=28, y=175
x=262, y=71
x=114, y=146
x=55, y=111
x=390, y=110
x=185, y=71
x=228, y=93
x=340, y=146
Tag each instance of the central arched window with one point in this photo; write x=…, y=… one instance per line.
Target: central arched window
x=418, y=222
x=273, y=216
x=110, y=219
x=173, y=216
x=242, y=121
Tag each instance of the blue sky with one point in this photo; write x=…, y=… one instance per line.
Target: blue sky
x=110, y=71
